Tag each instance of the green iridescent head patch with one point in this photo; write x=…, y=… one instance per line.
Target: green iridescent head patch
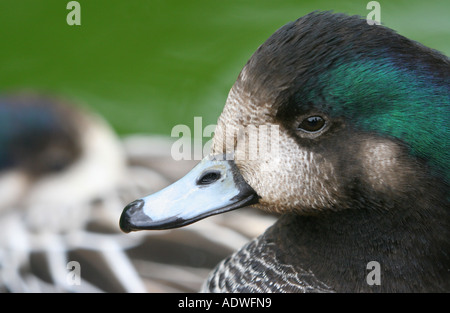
x=378, y=95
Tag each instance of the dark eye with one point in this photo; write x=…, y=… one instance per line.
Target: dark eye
x=312, y=124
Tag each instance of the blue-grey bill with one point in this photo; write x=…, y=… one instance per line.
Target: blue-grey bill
x=212, y=187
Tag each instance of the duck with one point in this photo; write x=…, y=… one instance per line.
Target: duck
x=58, y=161
x=359, y=174
x=46, y=141
x=63, y=184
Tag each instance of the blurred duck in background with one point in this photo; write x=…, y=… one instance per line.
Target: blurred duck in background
x=52, y=153
x=64, y=179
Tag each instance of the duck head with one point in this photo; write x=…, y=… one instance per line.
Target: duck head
x=361, y=115
x=54, y=156
x=37, y=134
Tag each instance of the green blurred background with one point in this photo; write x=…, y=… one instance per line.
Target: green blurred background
x=149, y=65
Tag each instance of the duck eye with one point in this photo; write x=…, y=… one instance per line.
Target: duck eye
x=312, y=124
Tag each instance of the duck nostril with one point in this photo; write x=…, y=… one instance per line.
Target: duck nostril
x=208, y=178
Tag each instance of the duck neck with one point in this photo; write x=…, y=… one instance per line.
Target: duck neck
x=410, y=243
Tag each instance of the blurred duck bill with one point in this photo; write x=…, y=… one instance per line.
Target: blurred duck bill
x=213, y=186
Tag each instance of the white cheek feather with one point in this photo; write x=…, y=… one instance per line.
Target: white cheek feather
x=381, y=164
x=293, y=178
x=298, y=179
x=244, y=74
x=239, y=112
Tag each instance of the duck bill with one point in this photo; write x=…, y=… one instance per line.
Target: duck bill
x=212, y=187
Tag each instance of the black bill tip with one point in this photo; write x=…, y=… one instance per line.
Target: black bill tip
x=133, y=217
